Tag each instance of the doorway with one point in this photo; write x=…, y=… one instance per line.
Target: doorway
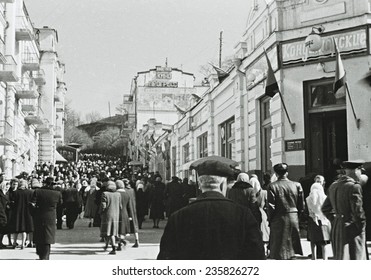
x=326, y=129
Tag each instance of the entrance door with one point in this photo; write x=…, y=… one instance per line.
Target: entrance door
x=328, y=141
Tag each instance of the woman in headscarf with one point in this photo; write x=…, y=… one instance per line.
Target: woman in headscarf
x=125, y=213
x=110, y=215
x=22, y=221
x=91, y=207
x=261, y=197
x=243, y=193
x=319, y=226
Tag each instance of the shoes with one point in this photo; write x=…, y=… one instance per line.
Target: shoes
x=123, y=242
x=136, y=245
x=119, y=247
x=113, y=252
x=105, y=247
x=29, y=245
x=89, y=224
x=2, y=246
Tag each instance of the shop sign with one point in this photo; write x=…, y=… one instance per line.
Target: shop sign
x=294, y=145
x=348, y=43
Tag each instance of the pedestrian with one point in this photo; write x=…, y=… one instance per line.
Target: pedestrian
x=243, y=193
x=212, y=227
x=344, y=208
x=72, y=203
x=262, y=201
x=91, y=206
x=133, y=206
x=285, y=204
x=141, y=204
x=44, y=202
x=60, y=187
x=4, y=206
x=174, y=195
x=125, y=212
x=21, y=221
x=366, y=194
x=110, y=215
x=156, y=201
x=319, y=227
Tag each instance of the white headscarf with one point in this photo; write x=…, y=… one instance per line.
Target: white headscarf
x=314, y=202
x=254, y=182
x=243, y=177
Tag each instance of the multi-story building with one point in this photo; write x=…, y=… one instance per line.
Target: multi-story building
x=306, y=124
x=27, y=103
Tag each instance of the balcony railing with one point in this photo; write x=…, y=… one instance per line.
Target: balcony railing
x=35, y=118
x=39, y=77
x=44, y=128
x=7, y=1
x=6, y=134
x=9, y=71
x=29, y=106
x=30, y=61
x=24, y=29
x=27, y=89
x=59, y=107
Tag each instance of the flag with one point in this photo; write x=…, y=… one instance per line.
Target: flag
x=181, y=111
x=340, y=77
x=271, y=85
x=221, y=73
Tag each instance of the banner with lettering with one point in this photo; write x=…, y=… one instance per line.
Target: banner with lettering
x=350, y=42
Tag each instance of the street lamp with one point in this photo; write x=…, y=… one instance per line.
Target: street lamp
x=313, y=41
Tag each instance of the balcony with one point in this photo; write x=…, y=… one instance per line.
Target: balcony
x=30, y=61
x=29, y=108
x=33, y=119
x=6, y=134
x=7, y=1
x=39, y=77
x=44, y=128
x=26, y=90
x=24, y=30
x=2, y=51
x=9, y=71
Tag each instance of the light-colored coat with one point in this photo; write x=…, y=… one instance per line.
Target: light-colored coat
x=110, y=214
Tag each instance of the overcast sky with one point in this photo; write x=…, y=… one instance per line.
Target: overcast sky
x=105, y=43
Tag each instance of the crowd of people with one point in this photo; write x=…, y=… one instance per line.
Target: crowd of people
x=258, y=220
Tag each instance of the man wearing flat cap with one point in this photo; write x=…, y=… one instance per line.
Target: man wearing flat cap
x=344, y=208
x=212, y=226
x=44, y=202
x=285, y=203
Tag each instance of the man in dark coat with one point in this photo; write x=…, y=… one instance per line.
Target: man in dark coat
x=344, y=208
x=4, y=204
x=45, y=201
x=174, y=194
x=72, y=202
x=212, y=227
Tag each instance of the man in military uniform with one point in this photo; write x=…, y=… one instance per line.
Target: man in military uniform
x=212, y=227
x=344, y=208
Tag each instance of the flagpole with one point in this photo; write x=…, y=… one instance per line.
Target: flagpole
x=358, y=121
x=287, y=114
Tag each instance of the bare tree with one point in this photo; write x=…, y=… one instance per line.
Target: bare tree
x=93, y=117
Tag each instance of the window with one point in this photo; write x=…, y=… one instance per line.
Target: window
x=266, y=135
x=202, y=145
x=186, y=153
x=227, y=145
x=322, y=96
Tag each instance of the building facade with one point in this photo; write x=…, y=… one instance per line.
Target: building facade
x=306, y=125
x=28, y=118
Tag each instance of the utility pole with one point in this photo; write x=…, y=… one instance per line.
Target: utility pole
x=109, y=108
x=220, y=48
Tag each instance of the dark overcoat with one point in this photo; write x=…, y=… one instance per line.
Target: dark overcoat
x=212, y=227
x=285, y=203
x=125, y=212
x=174, y=194
x=21, y=220
x=4, y=202
x=133, y=207
x=343, y=207
x=44, y=214
x=157, y=198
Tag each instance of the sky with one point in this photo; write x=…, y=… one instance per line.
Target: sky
x=104, y=44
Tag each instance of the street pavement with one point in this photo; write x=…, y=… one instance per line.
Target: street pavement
x=83, y=243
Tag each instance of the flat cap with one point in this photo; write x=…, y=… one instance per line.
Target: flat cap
x=353, y=164
x=215, y=167
x=281, y=168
